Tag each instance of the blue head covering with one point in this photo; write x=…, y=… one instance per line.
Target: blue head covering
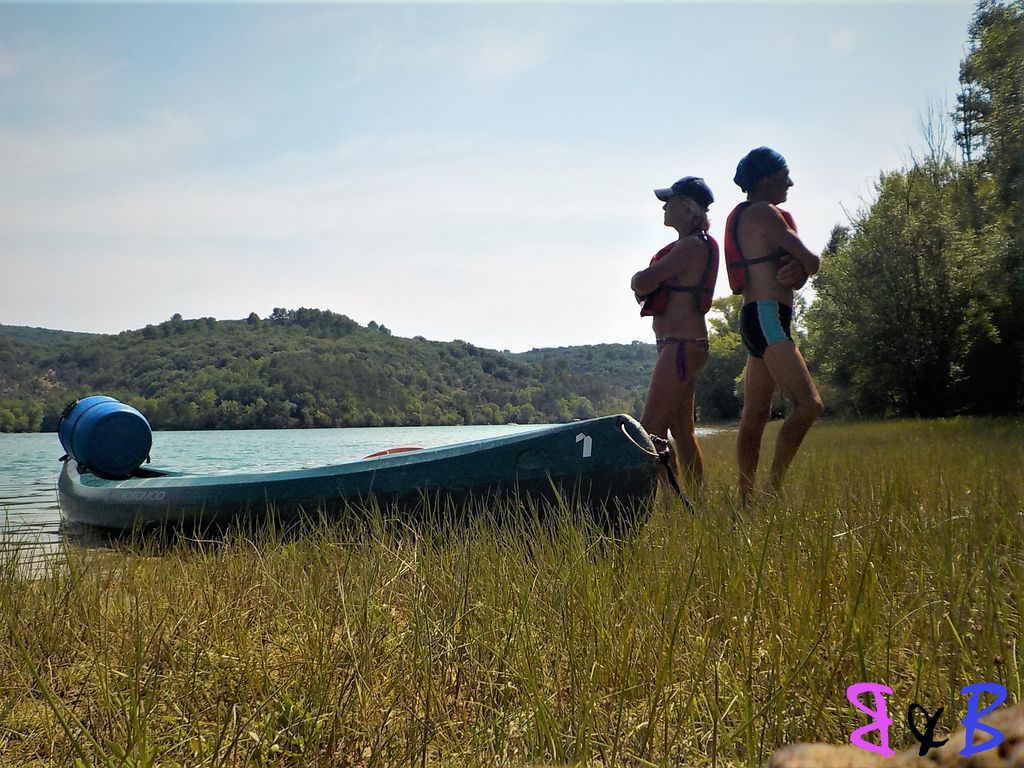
x=757, y=164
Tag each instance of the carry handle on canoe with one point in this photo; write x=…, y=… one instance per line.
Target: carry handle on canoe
x=389, y=451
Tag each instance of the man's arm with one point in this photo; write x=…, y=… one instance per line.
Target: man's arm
x=789, y=241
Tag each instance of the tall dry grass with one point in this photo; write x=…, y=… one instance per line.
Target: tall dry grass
x=704, y=639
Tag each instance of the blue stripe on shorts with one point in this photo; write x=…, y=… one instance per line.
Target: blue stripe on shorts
x=768, y=316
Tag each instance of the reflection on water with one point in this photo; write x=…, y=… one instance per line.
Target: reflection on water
x=28, y=496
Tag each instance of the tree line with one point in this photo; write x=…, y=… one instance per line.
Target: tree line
x=317, y=368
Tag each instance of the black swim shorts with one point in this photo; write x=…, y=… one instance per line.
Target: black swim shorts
x=763, y=323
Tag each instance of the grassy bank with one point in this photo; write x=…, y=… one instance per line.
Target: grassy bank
x=894, y=557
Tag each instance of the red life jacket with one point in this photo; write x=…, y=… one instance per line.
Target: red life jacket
x=703, y=291
x=737, y=265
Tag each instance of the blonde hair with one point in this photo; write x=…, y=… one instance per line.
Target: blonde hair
x=698, y=216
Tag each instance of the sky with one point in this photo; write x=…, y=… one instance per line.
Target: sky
x=474, y=171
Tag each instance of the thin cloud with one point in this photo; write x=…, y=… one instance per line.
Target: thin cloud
x=501, y=59
x=842, y=42
x=57, y=154
x=65, y=81
x=8, y=66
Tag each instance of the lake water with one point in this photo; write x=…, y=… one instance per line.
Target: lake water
x=29, y=464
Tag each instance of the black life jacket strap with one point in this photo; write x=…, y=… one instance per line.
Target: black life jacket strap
x=743, y=261
x=699, y=288
x=708, y=266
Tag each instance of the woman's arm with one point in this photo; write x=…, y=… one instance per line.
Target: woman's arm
x=647, y=280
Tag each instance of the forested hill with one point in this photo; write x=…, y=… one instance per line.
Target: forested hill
x=308, y=368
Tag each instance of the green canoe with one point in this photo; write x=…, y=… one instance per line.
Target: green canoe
x=608, y=462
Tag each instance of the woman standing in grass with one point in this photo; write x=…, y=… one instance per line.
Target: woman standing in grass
x=676, y=290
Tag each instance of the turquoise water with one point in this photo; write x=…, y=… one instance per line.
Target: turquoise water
x=29, y=464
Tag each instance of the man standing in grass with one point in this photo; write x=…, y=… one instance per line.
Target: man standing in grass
x=767, y=262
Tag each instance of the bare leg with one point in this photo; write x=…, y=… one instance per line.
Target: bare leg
x=682, y=421
x=661, y=394
x=690, y=456
x=789, y=370
x=758, y=388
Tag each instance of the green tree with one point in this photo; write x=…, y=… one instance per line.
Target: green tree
x=990, y=116
x=901, y=306
x=990, y=109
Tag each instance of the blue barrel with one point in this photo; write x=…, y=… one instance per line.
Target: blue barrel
x=104, y=434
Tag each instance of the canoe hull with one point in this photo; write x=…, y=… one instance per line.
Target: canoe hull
x=608, y=463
